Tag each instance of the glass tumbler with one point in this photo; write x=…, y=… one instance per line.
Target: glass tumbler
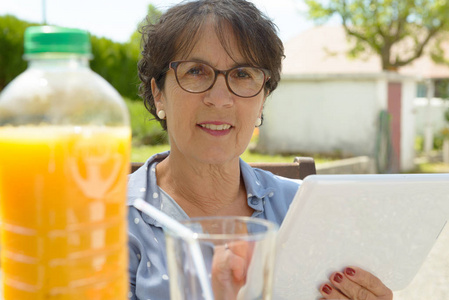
x=238, y=255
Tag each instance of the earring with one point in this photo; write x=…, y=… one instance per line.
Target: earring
x=161, y=114
x=258, y=122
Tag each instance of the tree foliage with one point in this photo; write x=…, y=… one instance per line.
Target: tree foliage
x=11, y=48
x=380, y=25
x=153, y=15
x=115, y=62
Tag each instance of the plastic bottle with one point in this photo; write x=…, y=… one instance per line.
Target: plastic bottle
x=64, y=160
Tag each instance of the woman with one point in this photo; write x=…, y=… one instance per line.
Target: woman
x=206, y=71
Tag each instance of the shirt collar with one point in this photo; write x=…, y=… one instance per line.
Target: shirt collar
x=256, y=189
x=143, y=184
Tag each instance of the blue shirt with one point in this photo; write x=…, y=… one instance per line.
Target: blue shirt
x=268, y=195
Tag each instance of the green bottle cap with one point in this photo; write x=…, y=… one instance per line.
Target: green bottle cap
x=54, y=39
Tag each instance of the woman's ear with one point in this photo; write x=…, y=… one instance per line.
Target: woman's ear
x=157, y=94
x=262, y=106
x=259, y=120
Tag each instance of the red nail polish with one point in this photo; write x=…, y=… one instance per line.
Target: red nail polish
x=350, y=271
x=338, y=277
x=327, y=289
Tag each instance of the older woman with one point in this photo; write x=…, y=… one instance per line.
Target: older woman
x=206, y=71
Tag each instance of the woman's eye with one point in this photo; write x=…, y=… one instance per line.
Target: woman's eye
x=242, y=74
x=195, y=71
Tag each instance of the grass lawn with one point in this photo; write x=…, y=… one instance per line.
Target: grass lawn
x=146, y=131
x=437, y=167
x=142, y=153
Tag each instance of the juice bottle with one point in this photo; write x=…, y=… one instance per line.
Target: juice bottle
x=64, y=160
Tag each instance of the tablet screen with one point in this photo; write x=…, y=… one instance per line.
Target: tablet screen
x=385, y=224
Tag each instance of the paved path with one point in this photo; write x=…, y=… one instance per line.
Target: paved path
x=432, y=280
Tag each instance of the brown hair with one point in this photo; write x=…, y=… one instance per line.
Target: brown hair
x=178, y=30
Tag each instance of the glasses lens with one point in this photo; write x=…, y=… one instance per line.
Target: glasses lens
x=246, y=81
x=194, y=77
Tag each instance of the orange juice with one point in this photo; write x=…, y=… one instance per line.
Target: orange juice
x=63, y=212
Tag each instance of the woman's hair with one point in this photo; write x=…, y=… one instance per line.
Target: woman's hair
x=177, y=31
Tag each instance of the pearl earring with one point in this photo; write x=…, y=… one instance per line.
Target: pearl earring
x=161, y=114
x=258, y=122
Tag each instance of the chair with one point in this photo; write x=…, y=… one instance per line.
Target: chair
x=298, y=169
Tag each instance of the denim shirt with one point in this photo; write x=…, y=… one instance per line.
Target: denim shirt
x=268, y=195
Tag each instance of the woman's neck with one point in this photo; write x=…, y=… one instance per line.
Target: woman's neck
x=204, y=189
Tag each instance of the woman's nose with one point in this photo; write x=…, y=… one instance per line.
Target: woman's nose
x=219, y=95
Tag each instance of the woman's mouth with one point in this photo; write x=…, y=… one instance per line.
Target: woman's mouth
x=216, y=129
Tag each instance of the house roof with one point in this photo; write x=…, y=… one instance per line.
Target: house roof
x=322, y=50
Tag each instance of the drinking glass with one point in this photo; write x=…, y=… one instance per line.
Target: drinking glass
x=238, y=255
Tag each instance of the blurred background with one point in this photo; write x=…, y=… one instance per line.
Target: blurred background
x=364, y=87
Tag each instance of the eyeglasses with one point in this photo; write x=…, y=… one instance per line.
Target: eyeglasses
x=196, y=77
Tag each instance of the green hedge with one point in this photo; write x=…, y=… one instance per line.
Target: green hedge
x=115, y=62
x=145, y=129
x=11, y=48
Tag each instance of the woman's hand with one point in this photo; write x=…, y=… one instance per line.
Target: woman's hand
x=357, y=284
x=229, y=269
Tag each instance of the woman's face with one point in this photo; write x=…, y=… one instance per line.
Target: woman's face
x=215, y=126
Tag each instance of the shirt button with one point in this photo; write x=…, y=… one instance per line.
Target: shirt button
x=254, y=201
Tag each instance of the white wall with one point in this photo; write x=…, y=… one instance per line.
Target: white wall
x=332, y=114
x=317, y=116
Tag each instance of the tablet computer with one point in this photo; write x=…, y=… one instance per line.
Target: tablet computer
x=385, y=224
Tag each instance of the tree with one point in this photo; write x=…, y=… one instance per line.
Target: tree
x=381, y=25
x=115, y=62
x=11, y=48
x=153, y=15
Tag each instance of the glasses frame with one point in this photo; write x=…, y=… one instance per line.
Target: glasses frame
x=174, y=66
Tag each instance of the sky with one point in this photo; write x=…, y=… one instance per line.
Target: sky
x=118, y=19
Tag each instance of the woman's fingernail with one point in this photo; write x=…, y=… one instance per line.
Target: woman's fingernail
x=350, y=271
x=338, y=277
x=327, y=289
